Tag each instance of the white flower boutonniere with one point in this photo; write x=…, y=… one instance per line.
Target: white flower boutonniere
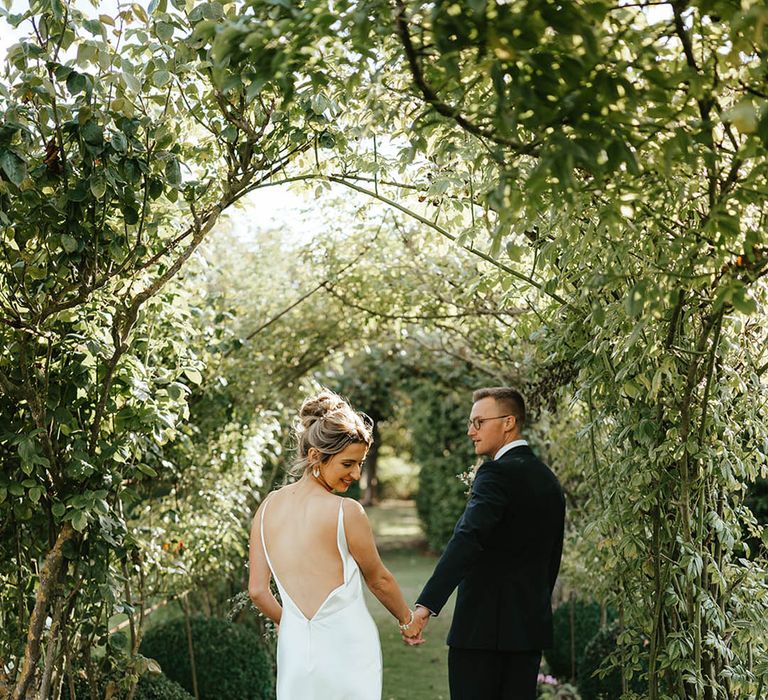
x=468, y=477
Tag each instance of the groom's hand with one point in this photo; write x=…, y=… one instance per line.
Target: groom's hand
x=412, y=635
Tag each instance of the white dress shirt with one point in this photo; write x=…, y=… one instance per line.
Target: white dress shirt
x=510, y=445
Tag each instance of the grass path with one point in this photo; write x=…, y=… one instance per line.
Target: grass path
x=410, y=673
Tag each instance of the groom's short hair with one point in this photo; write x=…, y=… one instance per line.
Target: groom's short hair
x=510, y=399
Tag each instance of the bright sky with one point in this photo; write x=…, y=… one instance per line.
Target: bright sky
x=298, y=216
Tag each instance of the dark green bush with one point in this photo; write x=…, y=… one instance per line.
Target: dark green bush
x=160, y=688
x=149, y=687
x=231, y=660
x=593, y=686
x=586, y=624
x=442, y=450
x=757, y=500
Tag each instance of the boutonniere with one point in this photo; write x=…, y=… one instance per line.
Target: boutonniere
x=468, y=477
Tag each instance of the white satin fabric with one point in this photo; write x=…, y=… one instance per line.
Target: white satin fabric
x=336, y=655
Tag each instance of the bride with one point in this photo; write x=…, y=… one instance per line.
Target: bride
x=319, y=548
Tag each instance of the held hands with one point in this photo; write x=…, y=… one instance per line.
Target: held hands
x=411, y=632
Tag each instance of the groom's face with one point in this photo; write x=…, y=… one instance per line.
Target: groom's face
x=492, y=434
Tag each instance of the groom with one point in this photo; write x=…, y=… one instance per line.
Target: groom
x=504, y=556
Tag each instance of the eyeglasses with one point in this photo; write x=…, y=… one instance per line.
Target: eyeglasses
x=477, y=423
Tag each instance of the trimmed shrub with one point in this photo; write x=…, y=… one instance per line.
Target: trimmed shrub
x=149, y=687
x=586, y=624
x=160, y=688
x=442, y=450
x=230, y=659
x=593, y=686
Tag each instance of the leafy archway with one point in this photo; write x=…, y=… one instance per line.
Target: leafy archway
x=608, y=165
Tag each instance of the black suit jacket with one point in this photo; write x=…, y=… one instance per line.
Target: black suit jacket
x=504, y=556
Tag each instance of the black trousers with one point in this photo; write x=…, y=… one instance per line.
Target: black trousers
x=482, y=674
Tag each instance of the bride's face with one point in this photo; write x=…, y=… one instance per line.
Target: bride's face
x=342, y=469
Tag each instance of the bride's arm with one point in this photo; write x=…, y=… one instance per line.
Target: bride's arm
x=377, y=577
x=259, y=574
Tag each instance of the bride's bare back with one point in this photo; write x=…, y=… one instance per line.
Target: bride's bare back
x=300, y=536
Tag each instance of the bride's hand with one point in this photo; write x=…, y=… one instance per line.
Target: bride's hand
x=413, y=641
x=411, y=633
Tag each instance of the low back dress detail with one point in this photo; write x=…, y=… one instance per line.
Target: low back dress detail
x=335, y=655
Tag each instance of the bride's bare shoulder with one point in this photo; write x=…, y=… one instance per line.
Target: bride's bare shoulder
x=354, y=513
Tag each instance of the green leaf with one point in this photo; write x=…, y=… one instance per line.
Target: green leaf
x=155, y=187
x=140, y=12
x=119, y=142
x=92, y=133
x=212, y=10
x=133, y=83
x=26, y=449
x=79, y=192
x=176, y=391
x=68, y=243
x=130, y=214
x=635, y=299
x=255, y=88
x=85, y=52
x=14, y=167
x=58, y=509
x=194, y=376
x=515, y=252
x=98, y=186
x=598, y=315
x=326, y=140
x=631, y=389
x=173, y=172
x=164, y=30
x=3, y=493
x=79, y=521
x=160, y=78
x=146, y=469
x=75, y=82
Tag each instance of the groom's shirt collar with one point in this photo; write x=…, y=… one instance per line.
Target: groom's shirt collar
x=509, y=446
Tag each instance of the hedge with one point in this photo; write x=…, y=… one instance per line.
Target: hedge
x=586, y=624
x=230, y=659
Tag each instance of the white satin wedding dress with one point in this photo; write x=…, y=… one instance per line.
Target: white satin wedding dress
x=335, y=655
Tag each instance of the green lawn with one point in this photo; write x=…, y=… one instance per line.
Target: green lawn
x=410, y=673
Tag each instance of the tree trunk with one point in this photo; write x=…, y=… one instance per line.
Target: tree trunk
x=190, y=645
x=52, y=652
x=371, y=495
x=49, y=576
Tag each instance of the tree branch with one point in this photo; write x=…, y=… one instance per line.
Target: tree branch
x=49, y=577
x=441, y=107
x=450, y=237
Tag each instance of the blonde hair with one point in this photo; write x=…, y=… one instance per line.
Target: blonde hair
x=329, y=424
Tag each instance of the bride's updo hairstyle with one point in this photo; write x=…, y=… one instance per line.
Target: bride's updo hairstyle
x=328, y=423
